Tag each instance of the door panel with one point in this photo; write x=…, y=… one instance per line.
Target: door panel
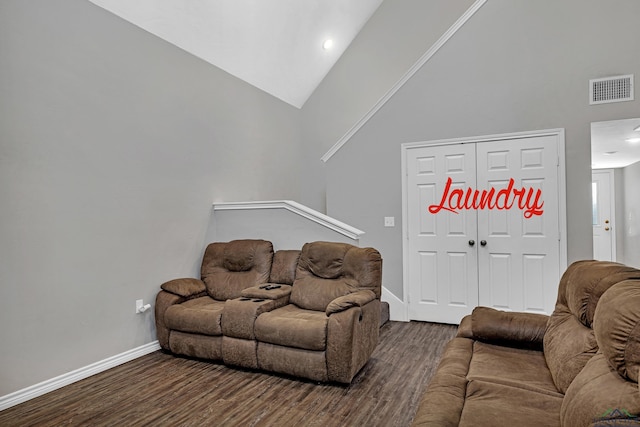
x=428, y=268
x=497, y=284
x=533, y=274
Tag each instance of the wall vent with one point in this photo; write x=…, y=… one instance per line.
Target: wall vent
x=611, y=89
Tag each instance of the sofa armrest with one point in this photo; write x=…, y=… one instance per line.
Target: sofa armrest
x=271, y=291
x=513, y=329
x=186, y=288
x=352, y=336
x=174, y=292
x=355, y=299
x=464, y=329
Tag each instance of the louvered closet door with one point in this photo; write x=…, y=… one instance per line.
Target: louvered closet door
x=518, y=264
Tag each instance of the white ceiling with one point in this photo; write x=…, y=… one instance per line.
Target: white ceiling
x=610, y=137
x=275, y=45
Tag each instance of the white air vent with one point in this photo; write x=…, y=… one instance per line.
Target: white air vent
x=611, y=89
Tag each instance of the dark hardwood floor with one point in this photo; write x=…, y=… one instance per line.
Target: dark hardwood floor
x=163, y=390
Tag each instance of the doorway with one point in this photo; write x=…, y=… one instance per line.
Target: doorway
x=603, y=214
x=615, y=147
x=474, y=233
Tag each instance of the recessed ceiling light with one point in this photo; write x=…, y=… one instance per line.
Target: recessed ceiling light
x=633, y=140
x=328, y=44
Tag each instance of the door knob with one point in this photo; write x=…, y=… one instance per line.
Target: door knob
x=606, y=229
x=472, y=242
x=483, y=243
x=606, y=221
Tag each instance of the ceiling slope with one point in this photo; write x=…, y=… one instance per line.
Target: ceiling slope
x=275, y=45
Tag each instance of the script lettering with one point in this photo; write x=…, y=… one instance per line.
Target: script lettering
x=528, y=200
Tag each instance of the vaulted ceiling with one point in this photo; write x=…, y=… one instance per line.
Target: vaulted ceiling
x=275, y=45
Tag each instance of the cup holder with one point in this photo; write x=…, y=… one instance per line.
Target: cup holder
x=269, y=287
x=258, y=300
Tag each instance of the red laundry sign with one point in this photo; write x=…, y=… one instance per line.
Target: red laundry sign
x=527, y=200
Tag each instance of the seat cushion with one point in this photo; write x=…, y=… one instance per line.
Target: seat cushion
x=479, y=384
x=509, y=386
x=511, y=366
x=489, y=404
x=291, y=326
x=199, y=316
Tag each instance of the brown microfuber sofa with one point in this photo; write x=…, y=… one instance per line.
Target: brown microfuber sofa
x=578, y=367
x=312, y=313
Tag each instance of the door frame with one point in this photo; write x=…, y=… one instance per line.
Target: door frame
x=562, y=193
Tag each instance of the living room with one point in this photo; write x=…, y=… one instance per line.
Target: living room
x=115, y=144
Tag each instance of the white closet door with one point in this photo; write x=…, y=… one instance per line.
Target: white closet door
x=519, y=252
x=442, y=269
x=502, y=252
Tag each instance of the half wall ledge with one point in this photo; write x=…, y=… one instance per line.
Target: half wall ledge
x=296, y=208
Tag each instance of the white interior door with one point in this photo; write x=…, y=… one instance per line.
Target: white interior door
x=442, y=272
x=602, y=202
x=503, y=252
x=519, y=253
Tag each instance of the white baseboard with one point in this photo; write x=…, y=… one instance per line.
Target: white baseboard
x=397, y=307
x=44, y=387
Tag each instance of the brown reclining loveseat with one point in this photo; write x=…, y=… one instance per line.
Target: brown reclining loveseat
x=578, y=367
x=312, y=313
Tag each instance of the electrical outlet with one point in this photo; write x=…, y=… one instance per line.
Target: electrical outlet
x=141, y=307
x=389, y=221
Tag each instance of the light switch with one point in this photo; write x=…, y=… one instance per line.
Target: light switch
x=389, y=221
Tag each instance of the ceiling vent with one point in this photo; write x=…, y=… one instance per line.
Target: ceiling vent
x=611, y=89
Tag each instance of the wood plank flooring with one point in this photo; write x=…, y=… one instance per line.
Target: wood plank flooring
x=160, y=389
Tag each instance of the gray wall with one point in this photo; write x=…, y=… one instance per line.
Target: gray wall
x=517, y=65
x=631, y=213
x=285, y=229
x=113, y=145
x=394, y=38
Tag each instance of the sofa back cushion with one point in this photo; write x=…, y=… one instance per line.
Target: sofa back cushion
x=598, y=397
x=617, y=328
x=284, y=266
x=228, y=268
x=569, y=341
x=606, y=391
x=328, y=270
